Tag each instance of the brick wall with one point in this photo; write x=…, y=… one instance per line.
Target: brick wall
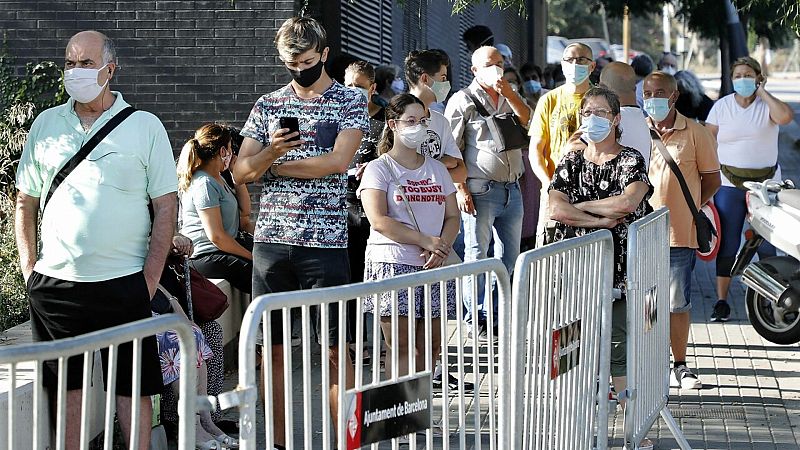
x=188, y=62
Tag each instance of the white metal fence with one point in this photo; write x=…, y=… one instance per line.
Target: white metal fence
x=460, y=419
x=648, y=300
x=560, y=339
x=13, y=357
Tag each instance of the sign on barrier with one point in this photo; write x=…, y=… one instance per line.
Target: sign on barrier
x=12, y=357
x=460, y=418
x=560, y=339
x=388, y=411
x=648, y=300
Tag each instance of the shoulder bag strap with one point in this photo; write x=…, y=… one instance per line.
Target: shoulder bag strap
x=674, y=166
x=478, y=105
x=402, y=194
x=85, y=150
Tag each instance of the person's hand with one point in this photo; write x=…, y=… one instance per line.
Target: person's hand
x=360, y=170
x=181, y=245
x=282, y=142
x=504, y=88
x=433, y=261
x=464, y=199
x=605, y=222
x=762, y=82
x=437, y=246
x=574, y=143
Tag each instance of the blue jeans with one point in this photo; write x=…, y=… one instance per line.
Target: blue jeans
x=681, y=265
x=498, y=209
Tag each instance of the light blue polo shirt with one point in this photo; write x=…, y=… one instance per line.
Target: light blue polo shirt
x=96, y=225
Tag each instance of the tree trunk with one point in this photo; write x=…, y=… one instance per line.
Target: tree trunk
x=725, y=83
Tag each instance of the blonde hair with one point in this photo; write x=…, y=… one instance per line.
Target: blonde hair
x=749, y=62
x=298, y=35
x=203, y=147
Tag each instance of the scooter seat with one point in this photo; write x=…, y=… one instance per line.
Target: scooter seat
x=791, y=197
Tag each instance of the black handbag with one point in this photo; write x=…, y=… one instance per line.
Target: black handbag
x=507, y=132
x=703, y=226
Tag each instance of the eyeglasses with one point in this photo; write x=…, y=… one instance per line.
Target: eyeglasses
x=599, y=112
x=413, y=122
x=578, y=59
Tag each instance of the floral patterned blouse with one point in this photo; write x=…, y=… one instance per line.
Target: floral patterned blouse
x=582, y=180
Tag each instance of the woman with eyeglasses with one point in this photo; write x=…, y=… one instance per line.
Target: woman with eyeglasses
x=411, y=205
x=605, y=186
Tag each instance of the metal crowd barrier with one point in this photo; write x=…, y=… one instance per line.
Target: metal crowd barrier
x=13, y=356
x=648, y=329
x=460, y=419
x=561, y=342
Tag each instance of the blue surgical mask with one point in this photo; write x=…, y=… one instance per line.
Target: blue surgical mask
x=596, y=128
x=657, y=108
x=744, y=86
x=575, y=73
x=532, y=86
x=398, y=86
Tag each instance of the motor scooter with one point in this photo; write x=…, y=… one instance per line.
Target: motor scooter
x=772, y=293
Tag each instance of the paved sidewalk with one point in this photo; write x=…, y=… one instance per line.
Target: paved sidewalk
x=751, y=393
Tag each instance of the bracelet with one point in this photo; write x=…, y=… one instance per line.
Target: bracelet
x=271, y=175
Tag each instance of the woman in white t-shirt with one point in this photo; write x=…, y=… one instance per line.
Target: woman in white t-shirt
x=745, y=124
x=395, y=245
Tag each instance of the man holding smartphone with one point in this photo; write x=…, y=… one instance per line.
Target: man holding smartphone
x=301, y=231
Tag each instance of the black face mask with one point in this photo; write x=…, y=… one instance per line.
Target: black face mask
x=308, y=76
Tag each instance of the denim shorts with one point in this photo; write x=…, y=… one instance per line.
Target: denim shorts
x=282, y=268
x=681, y=265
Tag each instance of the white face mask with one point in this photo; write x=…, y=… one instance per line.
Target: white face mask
x=413, y=137
x=489, y=75
x=669, y=70
x=440, y=90
x=81, y=84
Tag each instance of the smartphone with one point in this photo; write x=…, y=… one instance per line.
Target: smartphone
x=293, y=124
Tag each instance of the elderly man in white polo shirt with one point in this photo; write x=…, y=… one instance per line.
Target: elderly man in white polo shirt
x=101, y=257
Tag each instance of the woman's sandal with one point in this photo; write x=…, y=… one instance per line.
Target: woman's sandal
x=227, y=441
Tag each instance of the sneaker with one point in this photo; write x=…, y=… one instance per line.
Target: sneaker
x=722, y=312
x=452, y=383
x=683, y=378
x=483, y=333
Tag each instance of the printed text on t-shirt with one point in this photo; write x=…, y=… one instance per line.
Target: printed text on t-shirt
x=422, y=191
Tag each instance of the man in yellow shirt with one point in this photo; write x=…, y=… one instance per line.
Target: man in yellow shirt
x=556, y=118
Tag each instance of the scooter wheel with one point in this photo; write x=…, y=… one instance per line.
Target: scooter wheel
x=775, y=324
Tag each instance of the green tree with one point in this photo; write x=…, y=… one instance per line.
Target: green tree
x=21, y=99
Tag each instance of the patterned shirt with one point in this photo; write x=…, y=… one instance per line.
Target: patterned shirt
x=581, y=180
x=306, y=212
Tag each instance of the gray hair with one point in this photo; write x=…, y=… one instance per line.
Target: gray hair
x=109, y=51
x=689, y=85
